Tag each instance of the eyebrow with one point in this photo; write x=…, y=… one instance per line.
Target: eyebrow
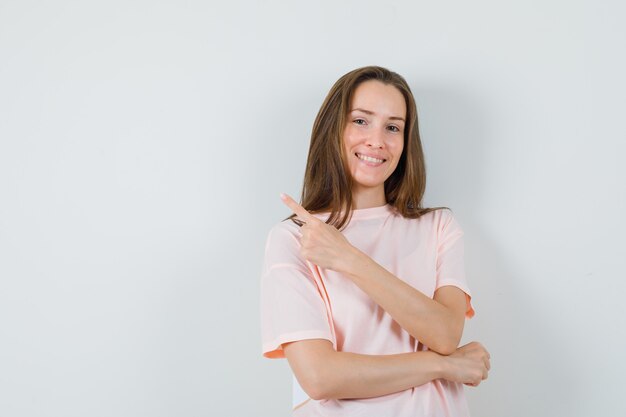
x=371, y=113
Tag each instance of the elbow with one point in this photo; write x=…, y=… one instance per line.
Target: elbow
x=448, y=346
x=445, y=349
x=449, y=340
x=317, y=386
x=318, y=394
x=313, y=364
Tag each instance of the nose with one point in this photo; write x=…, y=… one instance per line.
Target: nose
x=375, y=139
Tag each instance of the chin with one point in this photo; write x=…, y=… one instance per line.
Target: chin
x=369, y=184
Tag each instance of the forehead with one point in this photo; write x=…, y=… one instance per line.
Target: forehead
x=379, y=97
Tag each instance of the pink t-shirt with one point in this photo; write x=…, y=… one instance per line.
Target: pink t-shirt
x=302, y=301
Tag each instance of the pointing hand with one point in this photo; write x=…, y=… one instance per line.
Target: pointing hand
x=321, y=243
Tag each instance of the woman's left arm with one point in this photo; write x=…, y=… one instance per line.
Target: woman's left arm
x=437, y=322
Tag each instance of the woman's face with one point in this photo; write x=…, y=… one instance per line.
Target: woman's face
x=373, y=137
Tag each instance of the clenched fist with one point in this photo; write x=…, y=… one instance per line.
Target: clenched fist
x=469, y=364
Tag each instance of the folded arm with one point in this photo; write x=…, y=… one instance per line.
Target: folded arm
x=325, y=373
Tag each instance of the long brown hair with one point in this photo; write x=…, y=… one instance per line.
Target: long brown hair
x=327, y=181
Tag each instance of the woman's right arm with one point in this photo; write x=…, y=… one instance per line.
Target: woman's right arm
x=325, y=373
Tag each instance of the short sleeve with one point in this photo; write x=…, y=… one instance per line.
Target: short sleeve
x=292, y=304
x=450, y=257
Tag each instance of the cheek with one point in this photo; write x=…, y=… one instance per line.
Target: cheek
x=397, y=147
x=347, y=146
x=348, y=138
x=349, y=142
x=397, y=151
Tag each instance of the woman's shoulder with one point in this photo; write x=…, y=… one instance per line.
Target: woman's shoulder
x=284, y=232
x=436, y=216
x=283, y=244
x=284, y=226
x=437, y=222
x=443, y=221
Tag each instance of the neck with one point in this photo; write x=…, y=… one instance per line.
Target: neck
x=368, y=198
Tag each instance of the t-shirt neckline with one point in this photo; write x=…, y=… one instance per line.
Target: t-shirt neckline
x=365, y=213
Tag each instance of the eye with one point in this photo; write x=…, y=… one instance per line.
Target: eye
x=393, y=128
x=359, y=121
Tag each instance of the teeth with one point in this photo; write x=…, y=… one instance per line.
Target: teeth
x=370, y=159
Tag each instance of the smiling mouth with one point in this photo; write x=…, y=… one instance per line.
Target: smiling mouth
x=369, y=158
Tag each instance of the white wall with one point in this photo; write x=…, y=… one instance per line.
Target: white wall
x=143, y=145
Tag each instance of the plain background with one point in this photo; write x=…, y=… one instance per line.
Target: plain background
x=144, y=145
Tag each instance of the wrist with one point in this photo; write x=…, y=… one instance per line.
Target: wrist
x=352, y=260
x=440, y=366
x=445, y=370
x=428, y=366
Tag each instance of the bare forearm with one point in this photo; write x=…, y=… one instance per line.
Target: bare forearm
x=327, y=374
x=427, y=320
x=352, y=375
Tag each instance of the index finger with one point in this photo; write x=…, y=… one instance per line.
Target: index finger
x=297, y=208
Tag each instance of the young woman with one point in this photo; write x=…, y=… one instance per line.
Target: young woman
x=364, y=290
